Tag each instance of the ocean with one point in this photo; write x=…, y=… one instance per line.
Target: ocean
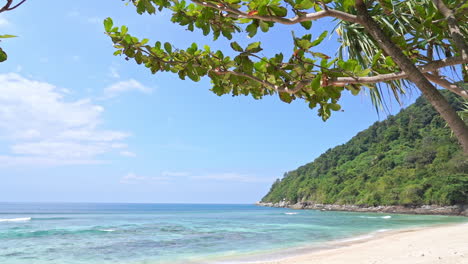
x=87, y=233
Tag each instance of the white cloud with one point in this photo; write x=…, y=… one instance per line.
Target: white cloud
x=4, y=22
x=128, y=154
x=168, y=176
x=95, y=20
x=114, y=73
x=160, y=179
x=73, y=13
x=175, y=173
x=16, y=161
x=62, y=149
x=42, y=126
x=132, y=178
x=125, y=86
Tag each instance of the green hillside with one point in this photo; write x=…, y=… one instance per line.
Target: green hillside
x=408, y=159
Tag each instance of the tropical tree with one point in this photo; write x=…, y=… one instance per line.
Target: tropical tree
x=7, y=7
x=394, y=43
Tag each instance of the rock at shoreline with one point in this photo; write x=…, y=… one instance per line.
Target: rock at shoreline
x=461, y=210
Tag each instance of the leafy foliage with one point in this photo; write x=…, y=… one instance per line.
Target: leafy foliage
x=408, y=159
x=3, y=55
x=307, y=74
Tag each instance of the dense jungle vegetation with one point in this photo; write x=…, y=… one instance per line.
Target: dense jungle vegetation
x=408, y=159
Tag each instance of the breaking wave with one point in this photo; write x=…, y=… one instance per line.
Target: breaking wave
x=20, y=219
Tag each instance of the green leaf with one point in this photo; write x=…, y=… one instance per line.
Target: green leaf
x=389, y=61
x=123, y=30
x=235, y=46
x=306, y=24
x=320, y=55
x=304, y=4
x=108, y=24
x=319, y=39
x=252, y=29
x=354, y=89
x=315, y=84
x=279, y=10
x=168, y=47
x=365, y=72
x=303, y=44
x=3, y=55
x=347, y=4
x=8, y=36
x=334, y=107
x=139, y=57
x=285, y=97
x=193, y=75
x=253, y=47
x=264, y=26
x=376, y=57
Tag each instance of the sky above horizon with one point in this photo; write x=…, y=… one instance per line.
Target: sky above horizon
x=80, y=125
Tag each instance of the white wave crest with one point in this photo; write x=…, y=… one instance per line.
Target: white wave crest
x=107, y=230
x=21, y=219
x=375, y=217
x=382, y=230
x=357, y=238
x=291, y=213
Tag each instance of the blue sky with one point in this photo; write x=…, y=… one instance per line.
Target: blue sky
x=80, y=125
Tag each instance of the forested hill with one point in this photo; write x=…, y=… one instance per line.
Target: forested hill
x=408, y=159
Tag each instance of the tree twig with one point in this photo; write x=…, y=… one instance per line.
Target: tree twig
x=447, y=85
x=8, y=7
x=236, y=13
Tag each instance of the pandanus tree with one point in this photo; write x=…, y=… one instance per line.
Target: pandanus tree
x=384, y=45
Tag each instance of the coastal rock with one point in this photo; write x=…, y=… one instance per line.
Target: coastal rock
x=461, y=210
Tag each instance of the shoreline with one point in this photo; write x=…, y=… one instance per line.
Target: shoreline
x=455, y=210
x=444, y=244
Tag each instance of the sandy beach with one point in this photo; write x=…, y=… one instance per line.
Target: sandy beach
x=441, y=245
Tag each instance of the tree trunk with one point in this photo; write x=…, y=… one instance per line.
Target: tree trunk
x=431, y=93
x=455, y=32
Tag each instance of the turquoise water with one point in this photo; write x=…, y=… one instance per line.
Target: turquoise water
x=174, y=233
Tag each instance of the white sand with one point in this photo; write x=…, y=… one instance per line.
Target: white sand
x=441, y=245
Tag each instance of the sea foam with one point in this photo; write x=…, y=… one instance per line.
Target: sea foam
x=290, y=213
x=375, y=217
x=21, y=219
x=107, y=230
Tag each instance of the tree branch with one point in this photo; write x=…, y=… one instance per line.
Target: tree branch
x=281, y=89
x=432, y=66
x=236, y=13
x=248, y=76
x=8, y=4
x=455, y=32
x=447, y=85
x=342, y=81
